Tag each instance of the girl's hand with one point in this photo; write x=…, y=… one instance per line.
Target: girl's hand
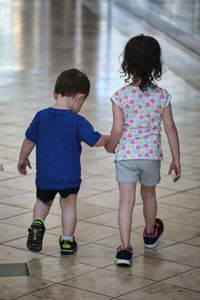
x=109, y=149
x=176, y=167
x=21, y=166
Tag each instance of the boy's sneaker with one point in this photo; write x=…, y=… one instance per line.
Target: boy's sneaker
x=150, y=241
x=124, y=256
x=35, y=236
x=67, y=247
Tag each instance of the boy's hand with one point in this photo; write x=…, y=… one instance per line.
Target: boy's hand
x=21, y=166
x=176, y=167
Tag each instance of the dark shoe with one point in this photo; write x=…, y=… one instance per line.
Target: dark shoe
x=124, y=256
x=35, y=236
x=150, y=241
x=67, y=247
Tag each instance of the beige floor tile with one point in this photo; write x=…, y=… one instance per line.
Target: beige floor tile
x=94, y=255
x=195, y=191
x=194, y=241
x=189, y=160
x=24, y=183
x=152, y=268
x=180, y=253
x=187, y=200
x=84, y=210
x=193, y=174
x=181, y=185
x=87, y=192
x=19, y=286
x=161, y=291
x=7, y=176
x=88, y=232
x=50, y=222
x=58, y=292
x=104, y=199
x=14, y=255
x=8, y=192
x=7, y=211
x=190, y=218
x=100, y=183
x=99, y=168
x=57, y=269
x=164, y=191
x=189, y=280
x=108, y=282
x=25, y=200
x=165, y=211
x=111, y=218
x=11, y=232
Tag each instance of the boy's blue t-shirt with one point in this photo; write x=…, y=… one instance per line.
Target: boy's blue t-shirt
x=58, y=134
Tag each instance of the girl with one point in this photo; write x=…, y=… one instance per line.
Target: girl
x=138, y=109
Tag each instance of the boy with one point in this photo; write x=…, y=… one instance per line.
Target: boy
x=57, y=133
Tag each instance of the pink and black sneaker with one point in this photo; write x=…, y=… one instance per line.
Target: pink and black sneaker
x=151, y=239
x=124, y=256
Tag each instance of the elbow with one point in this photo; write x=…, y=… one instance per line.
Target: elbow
x=170, y=128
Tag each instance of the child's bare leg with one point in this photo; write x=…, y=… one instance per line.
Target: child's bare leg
x=41, y=209
x=68, y=207
x=148, y=194
x=127, y=201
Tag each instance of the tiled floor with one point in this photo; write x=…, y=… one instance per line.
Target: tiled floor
x=39, y=39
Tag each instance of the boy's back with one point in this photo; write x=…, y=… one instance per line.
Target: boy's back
x=57, y=134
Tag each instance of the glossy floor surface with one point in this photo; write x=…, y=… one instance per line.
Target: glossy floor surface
x=38, y=40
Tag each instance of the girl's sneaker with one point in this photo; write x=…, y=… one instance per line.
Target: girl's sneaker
x=150, y=241
x=124, y=256
x=35, y=236
x=67, y=247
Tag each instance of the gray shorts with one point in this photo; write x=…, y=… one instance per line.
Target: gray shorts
x=145, y=170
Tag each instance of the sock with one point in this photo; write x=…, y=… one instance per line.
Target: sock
x=39, y=219
x=67, y=238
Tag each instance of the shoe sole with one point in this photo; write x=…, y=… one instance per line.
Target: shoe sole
x=123, y=262
x=151, y=246
x=33, y=246
x=68, y=252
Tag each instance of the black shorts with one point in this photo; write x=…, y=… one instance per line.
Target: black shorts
x=48, y=195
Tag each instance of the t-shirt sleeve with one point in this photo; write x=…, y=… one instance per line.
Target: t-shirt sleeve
x=168, y=99
x=116, y=98
x=87, y=133
x=32, y=131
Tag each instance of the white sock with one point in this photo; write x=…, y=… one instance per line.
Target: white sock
x=67, y=238
x=39, y=219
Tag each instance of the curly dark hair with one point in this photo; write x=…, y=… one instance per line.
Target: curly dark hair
x=142, y=61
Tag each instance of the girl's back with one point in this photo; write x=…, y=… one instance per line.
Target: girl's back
x=142, y=111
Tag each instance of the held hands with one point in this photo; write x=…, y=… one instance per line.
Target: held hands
x=176, y=167
x=109, y=149
x=21, y=166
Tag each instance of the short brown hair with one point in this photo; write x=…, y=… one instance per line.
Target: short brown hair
x=71, y=82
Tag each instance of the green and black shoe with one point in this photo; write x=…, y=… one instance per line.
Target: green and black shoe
x=67, y=247
x=35, y=236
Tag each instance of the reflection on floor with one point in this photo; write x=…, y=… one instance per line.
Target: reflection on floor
x=38, y=40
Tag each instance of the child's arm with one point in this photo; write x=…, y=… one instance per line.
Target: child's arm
x=117, y=128
x=103, y=141
x=172, y=135
x=23, y=162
